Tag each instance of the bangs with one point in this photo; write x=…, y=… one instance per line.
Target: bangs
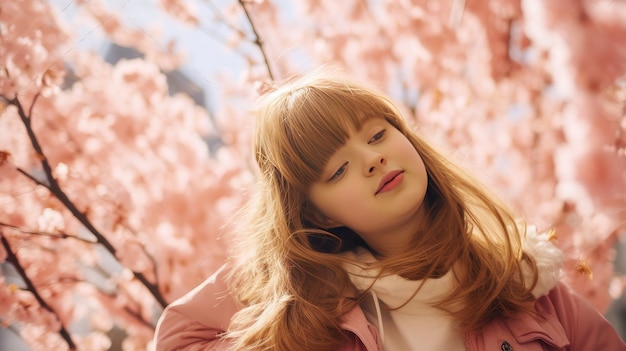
x=316, y=122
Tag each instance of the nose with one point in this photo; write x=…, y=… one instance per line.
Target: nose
x=376, y=161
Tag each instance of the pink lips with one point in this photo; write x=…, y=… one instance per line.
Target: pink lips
x=389, y=181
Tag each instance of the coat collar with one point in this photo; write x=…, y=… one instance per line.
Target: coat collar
x=355, y=322
x=525, y=328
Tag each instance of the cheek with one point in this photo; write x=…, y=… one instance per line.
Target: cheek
x=407, y=147
x=334, y=203
x=408, y=151
x=322, y=199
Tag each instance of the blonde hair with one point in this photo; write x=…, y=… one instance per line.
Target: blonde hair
x=286, y=272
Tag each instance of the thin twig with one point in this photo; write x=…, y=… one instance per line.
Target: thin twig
x=56, y=190
x=136, y=315
x=150, y=257
x=220, y=17
x=257, y=39
x=59, y=235
x=12, y=258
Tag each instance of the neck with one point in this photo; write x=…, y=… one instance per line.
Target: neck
x=395, y=240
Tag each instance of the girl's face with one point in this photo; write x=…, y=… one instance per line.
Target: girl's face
x=375, y=185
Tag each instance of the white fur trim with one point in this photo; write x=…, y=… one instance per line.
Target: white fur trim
x=548, y=257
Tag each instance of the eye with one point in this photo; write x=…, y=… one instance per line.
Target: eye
x=377, y=136
x=339, y=172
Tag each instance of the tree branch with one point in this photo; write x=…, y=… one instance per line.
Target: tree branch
x=12, y=258
x=257, y=39
x=220, y=17
x=59, y=235
x=56, y=190
x=150, y=257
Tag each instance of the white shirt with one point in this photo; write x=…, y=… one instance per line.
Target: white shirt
x=416, y=326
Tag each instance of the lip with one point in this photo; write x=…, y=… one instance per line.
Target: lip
x=387, y=178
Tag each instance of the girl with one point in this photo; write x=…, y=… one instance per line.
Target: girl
x=362, y=237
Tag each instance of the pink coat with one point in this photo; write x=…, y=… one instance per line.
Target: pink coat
x=569, y=323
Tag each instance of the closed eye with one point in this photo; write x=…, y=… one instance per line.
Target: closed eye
x=339, y=172
x=377, y=136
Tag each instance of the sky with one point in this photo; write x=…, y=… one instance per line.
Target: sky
x=203, y=47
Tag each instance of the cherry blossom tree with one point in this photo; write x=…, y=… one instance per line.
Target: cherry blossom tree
x=113, y=205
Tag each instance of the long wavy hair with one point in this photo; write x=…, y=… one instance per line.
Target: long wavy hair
x=287, y=272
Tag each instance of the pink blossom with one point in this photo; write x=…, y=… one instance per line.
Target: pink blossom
x=525, y=94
